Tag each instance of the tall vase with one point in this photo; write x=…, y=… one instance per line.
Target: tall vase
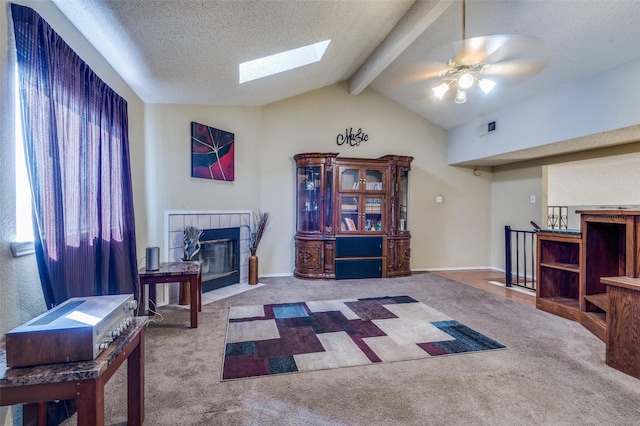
x=253, y=267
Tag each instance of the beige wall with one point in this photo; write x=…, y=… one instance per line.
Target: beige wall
x=168, y=163
x=511, y=191
x=311, y=122
x=608, y=181
x=606, y=176
x=266, y=140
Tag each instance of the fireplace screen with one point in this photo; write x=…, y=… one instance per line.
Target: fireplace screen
x=219, y=255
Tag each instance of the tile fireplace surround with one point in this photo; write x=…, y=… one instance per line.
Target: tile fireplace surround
x=175, y=221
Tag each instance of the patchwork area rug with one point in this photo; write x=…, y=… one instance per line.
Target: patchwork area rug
x=293, y=337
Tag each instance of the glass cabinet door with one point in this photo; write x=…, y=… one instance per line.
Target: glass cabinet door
x=403, y=200
x=349, y=179
x=374, y=180
x=349, y=213
x=309, y=199
x=373, y=210
x=328, y=204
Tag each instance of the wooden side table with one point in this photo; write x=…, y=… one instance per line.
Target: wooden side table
x=83, y=381
x=172, y=272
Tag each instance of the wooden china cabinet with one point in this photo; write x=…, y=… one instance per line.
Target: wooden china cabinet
x=351, y=216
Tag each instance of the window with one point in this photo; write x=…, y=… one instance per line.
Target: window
x=280, y=62
x=77, y=145
x=24, y=225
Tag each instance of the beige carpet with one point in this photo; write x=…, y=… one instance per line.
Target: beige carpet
x=554, y=372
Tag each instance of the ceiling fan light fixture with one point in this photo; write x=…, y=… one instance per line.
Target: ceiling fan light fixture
x=486, y=85
x=465, y=81
x=472, y=59
x=461, y=97
x=440, y=90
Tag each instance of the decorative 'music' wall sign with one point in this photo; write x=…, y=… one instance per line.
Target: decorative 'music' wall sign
x=350, y=138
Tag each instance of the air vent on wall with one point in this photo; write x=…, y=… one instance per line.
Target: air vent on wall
x=487, y=128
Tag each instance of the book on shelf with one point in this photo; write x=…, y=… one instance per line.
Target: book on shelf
x=374, y=186
x=373, y=205
x=350, y=224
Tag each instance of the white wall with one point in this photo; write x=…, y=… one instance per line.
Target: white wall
x=600, y=103
x=267, y=138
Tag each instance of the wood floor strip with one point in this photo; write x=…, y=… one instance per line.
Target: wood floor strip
x=479, y=278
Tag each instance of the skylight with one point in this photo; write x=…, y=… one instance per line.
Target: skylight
x=280, y=62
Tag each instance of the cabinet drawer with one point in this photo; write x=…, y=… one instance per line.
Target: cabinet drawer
x=358, y=268
x=359, y=247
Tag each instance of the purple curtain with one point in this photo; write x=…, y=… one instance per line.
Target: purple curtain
x=77, y=150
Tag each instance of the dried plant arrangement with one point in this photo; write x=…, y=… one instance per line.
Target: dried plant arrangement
x=191, y=238
x=260, y=221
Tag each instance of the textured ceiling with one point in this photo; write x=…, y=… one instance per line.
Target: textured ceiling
x=188, y=51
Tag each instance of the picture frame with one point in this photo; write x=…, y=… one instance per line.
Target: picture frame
x=212, y=153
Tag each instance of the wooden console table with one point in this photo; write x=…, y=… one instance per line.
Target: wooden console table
x=172, y=272
x=83, y=381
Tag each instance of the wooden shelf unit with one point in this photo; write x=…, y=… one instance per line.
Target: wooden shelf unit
x=558, y=273
x=594, y=277
x=611, y=241
x=360, y=198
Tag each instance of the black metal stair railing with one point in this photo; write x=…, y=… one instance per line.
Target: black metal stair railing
x=520, y=269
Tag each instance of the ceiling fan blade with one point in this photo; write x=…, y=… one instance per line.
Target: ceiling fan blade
x=492, y=48
x=419, y=72
x=516, y=69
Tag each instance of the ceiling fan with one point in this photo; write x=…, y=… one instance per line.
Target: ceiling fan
x=479, y=61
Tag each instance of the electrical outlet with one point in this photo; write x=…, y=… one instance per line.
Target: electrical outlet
x=533, y=199
x=438, y=198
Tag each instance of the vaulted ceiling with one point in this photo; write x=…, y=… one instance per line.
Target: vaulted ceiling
x=188, y=51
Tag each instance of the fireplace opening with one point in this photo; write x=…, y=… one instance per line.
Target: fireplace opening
x=219, y=255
